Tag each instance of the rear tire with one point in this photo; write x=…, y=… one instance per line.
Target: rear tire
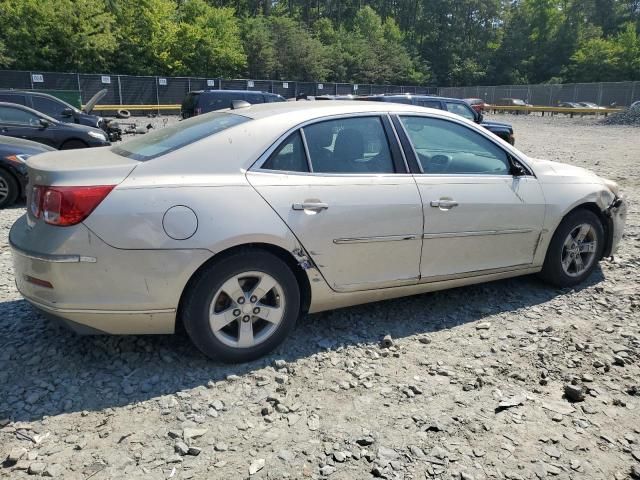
x=9, y=189
x=73, y=144
x=223, y=308
x=575, y=249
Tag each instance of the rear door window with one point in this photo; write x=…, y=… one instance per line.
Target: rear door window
x=17, y=116
x=169, y=139
x=350, y=145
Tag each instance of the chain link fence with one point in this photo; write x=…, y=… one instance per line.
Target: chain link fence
x=156, y=90
x=614, y=94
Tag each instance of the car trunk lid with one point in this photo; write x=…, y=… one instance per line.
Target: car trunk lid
x=75, y=176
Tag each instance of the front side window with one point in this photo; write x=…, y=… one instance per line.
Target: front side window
x=446, y=147
x=168, y=139
x=462, y=110
x=349, y=145
x=17, y=116
x=48, y=106
x=289, y=156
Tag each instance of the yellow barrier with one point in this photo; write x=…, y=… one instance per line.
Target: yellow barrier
x=135, y=107
x=571, y=111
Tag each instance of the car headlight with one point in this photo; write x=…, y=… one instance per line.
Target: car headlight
x=21, y=158
x=613, y=186
x=98, y=135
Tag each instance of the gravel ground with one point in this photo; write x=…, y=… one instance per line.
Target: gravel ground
x=471, y=388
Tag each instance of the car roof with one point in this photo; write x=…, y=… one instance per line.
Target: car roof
x=27, y=92
x=313, y=110
x=256, y=92
x=418, y=96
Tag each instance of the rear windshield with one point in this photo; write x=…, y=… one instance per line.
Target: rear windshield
x=186, y=132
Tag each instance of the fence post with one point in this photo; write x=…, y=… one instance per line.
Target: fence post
x=633, y=92
x=600, y=94
x=79, y=88
x=119, y=90
x=189, y=83
x=31, y=79
x=157, y=96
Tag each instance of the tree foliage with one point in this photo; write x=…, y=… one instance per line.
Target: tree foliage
x=444, y=42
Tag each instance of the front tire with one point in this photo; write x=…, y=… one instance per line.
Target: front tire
x=575, y=249
x=9, y=189
x=242, y=306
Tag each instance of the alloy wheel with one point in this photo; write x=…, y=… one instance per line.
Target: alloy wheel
x=579, y=250
x=247, y=309
x=4, y=189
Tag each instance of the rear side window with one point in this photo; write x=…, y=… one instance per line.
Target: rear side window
x=290, y=156
x=169, y=139
x=13, y=98
x=429, y=104
x=208, y=102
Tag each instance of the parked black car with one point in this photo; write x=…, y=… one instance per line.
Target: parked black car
x=62, y=111
x=453, y=105
x=13, y=170
x=204, y=101
x=24, y=122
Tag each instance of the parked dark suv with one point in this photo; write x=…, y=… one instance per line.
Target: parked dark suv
x=453, y=105
x=62, y=111
x=204, y=101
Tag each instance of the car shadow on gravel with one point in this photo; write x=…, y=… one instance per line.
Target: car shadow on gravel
x=47, y=370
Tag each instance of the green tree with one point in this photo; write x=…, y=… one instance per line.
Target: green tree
x=4, y=58
x=207, y=41
x=61, y=35
x=259, y=47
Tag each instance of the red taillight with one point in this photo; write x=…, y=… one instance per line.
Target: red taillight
x=65, y=206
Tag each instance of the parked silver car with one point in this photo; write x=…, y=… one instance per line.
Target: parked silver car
x=235, y=222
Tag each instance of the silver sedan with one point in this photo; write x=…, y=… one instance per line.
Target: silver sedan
x=237, y=222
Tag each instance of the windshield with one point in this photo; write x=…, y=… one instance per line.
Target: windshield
x=168, y=139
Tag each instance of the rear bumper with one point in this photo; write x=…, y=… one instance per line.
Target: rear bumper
x=69, y=273
x=112, y=322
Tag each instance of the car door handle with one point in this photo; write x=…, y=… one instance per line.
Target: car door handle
x=315, y=206
x=444, y=204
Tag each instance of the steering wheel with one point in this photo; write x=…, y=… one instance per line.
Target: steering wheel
x=438, y=163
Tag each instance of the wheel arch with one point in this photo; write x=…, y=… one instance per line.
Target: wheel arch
x=288, y=257
x=605, y=220
x=71, y=140
x=10, y=172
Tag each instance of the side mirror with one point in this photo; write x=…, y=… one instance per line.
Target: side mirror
x=44, y=123
x=517, y=170
x=480, y=117
x=67, y=112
